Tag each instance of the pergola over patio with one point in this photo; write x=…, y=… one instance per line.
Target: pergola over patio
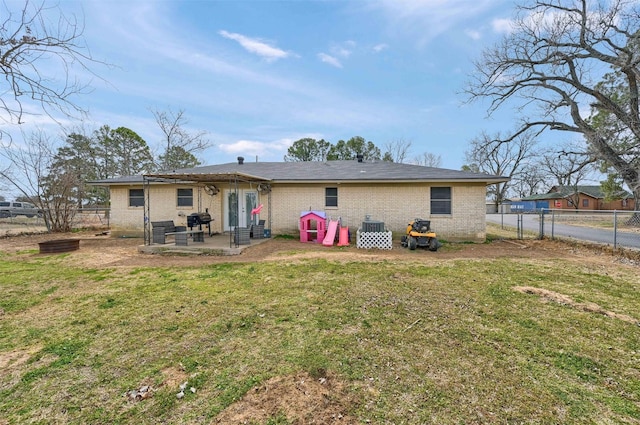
x=202, y=180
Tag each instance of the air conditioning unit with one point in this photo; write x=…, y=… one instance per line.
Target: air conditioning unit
x=373, y=226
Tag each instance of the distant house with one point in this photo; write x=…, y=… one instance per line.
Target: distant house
x=393, y=193
x=580, y=198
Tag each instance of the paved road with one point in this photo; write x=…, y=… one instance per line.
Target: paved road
x=531, y=222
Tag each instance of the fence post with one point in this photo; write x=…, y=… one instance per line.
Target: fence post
x=553, y=223
x=541, y=232
x=615, y=229
x=520, y=220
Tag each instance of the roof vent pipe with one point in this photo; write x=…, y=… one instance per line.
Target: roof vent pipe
x=240, y=160
x=360, y=157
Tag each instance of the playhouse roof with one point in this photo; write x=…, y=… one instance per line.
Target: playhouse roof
x=320, y=214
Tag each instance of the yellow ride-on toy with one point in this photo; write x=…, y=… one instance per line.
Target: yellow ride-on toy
x=419, y=234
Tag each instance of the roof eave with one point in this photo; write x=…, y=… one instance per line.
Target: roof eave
x=321, y=181
x=184, y=179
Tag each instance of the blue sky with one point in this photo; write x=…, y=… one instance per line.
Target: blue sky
x=258, y=75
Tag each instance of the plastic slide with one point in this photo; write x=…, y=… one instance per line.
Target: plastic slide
x=331, y=233
x=344, y=237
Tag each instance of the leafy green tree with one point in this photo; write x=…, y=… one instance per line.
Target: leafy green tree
x=128, y=153
x=352, y=148
x=106, y=153
x=177, y=157
x=308, y=149
x=84, y=158
x=623, y=142
x=612, y=187
x=472, y=168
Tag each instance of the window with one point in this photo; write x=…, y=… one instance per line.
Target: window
x=331, y=197
x=440, y=200
x=136, y=197
x=585, y=202
x=185, y=197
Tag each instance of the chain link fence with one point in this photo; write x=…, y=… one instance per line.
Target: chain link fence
x=620, y=229
x=85, y=218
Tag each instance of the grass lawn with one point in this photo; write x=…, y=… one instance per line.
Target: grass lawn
x=401, y=342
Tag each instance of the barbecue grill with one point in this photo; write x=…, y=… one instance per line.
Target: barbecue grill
x=198, y=219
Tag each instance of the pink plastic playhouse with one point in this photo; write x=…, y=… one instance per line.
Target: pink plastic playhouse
x=313, y=226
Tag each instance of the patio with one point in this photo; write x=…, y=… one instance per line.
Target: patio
x=218, y=244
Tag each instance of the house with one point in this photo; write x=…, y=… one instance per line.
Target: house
x=577, y=198
x=393, y=193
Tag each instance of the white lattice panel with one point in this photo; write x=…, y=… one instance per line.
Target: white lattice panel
x=380, y=240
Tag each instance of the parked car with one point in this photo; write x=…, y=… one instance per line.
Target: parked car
x=12, y=209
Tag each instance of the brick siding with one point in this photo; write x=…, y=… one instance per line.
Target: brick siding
x=394, y=204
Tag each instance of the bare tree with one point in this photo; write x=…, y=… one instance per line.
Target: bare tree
x=489, y=155
x=180, y=146
x=397, y=150
x=530, y=180
x=429, y=159
x=32, y=174
x=39, y=48
x=549, y=64
x=569, y=168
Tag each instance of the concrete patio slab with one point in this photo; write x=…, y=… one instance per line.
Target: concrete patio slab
x=219, y=244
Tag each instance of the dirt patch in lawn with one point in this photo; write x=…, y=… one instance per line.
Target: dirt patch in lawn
x=103, y=251
x=566, y=300
x=16, y=358
x=298, y=399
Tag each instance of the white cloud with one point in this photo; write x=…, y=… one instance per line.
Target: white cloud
x=380, y=47
x=543, y=20
x=473, y=34
x=502, y=25
x=343, y=50
x=256, y=46
x=250, y=149
x=331, y=60
x=424, y=20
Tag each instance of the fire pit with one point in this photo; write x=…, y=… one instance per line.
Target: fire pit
x=59, y=245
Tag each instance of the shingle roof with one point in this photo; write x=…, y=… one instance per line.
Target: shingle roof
x=559, y=192
x=553, y=195
x=593, y=191
x=329, y=171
